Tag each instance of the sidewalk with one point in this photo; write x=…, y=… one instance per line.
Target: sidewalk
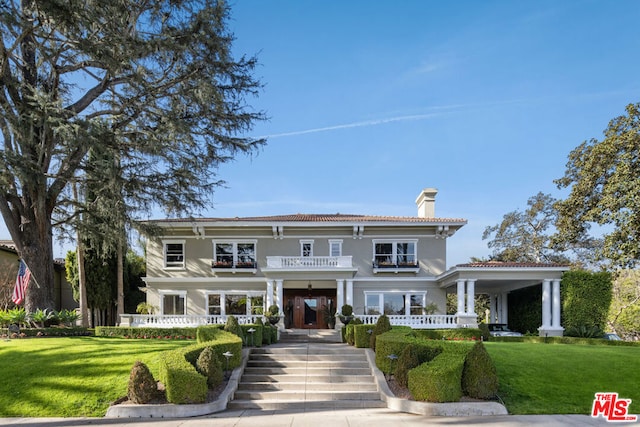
x=346, y=418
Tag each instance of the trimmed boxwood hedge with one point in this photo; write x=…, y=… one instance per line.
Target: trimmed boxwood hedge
x=177, y=370
x=565, y=340
x=257, y=335
x=129, y=332
x=439, y=380
x=361, y=335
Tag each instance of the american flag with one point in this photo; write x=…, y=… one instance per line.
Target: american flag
x=21, y=283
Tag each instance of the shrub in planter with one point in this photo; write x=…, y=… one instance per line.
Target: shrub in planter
x=479, y=376
x=382, y=325
x=210, y=365
x=346, y=314
x=142, y=387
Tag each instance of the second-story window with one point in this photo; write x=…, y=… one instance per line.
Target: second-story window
x=173, y=253
x=234, y=254
x=394, y=253
x=335, y=247
x=306, y=248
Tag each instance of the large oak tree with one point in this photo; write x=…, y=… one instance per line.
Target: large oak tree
x=155, y=82
x=604, y=182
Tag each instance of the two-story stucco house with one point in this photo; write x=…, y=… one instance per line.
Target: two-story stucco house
x=199, y=271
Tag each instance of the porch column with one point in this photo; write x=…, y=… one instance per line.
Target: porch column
x=269, y=293
x=555, y=318
x=504, y=305
x=340, y=294
x=279, y=294
x=493, y=308
x=471, y=296
x=349, y=296
x=546, y=303
x=461, y=309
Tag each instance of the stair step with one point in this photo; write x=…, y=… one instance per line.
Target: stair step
x=308, y=371
x=307, y=386
x=298, y=405
x=301, y=374
x=291, y=378
x=313, y=364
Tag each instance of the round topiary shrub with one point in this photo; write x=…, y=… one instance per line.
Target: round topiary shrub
x=209, y=365
x=411, y=356
x=382, y=325
x=479, y=375
x=142, y=387
x=234, y=327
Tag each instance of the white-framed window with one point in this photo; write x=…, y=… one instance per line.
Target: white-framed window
x=335, y=247
x=173, y=253
x=234, y=254
x=173, y=302
x=237, y=303
x=306, y=248
x=395, y=303
x=395, y=253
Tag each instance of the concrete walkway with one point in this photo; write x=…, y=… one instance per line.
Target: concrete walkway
x=378, y=417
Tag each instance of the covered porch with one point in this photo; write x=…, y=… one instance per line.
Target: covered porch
x=497, y=280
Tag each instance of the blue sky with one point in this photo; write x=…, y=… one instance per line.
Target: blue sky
x=371, y=101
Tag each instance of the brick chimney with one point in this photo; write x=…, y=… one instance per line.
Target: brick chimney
x=426, y=202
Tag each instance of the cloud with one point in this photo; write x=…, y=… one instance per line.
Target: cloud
x=365, y=123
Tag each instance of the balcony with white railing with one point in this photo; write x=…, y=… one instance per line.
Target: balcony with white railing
x=309, y=262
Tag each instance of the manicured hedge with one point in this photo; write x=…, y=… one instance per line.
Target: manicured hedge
x=586, y=298
x=361, y=335
x=177, y=370
x=47, y=332
x=129, y=332
x=439, y=380
x=208, y=332
x=257, y=335
x=457, y=334
x=565, y=340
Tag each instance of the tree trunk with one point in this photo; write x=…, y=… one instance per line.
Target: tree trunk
x=120, y=291
x=35, y=247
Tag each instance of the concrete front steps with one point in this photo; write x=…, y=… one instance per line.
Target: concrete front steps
x=311, y=375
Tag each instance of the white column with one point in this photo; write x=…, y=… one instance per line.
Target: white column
x=269, y=293
x=555, y=318
x=340, y=294
x=546, y=303
x=349, y=296
x=493, y=308
x=279, y=294
x=471, y=296
x=504, y=308
x=461, y=309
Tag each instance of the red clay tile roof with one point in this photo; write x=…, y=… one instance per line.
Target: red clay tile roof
x=320, y=218
x=499, y=264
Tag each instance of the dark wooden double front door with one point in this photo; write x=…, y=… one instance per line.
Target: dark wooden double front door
x=306, y=311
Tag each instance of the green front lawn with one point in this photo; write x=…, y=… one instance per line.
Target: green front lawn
x=71, y=377
x=562, y=379
x=81, y=376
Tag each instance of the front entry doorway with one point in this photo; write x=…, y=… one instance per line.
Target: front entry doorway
x=306, y=310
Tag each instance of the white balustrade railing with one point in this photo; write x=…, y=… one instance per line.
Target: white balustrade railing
x=171, y=321
x=309, y=262
x=430, y=321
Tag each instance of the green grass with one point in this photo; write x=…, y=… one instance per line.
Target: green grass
x=563, y=379
x=71, y=377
